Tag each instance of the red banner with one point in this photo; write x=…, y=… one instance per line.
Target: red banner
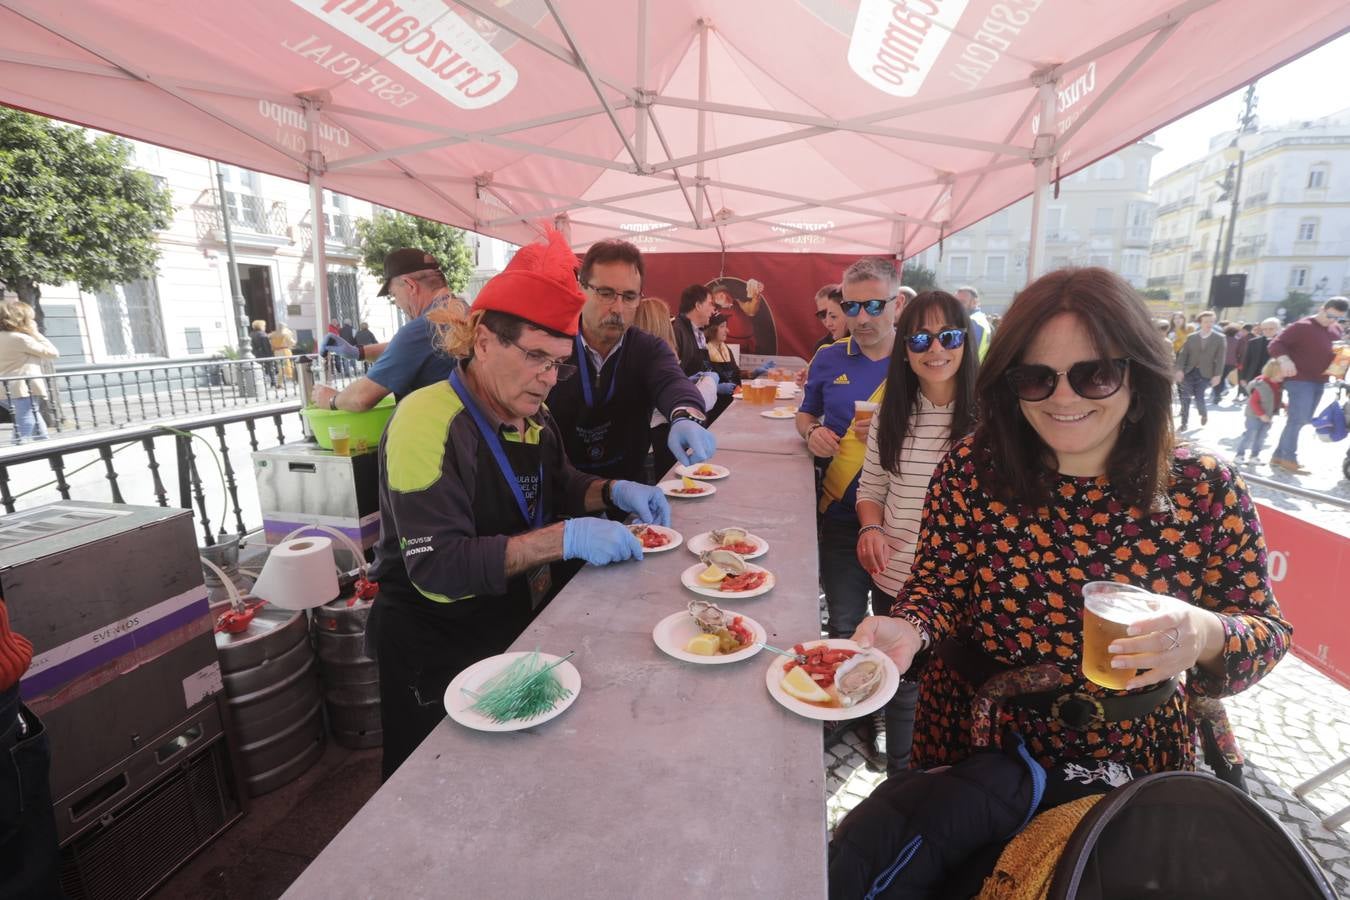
x=1310, y=570
x=784, y=321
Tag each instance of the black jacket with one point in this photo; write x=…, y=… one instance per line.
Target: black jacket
x=261, y=344
x=693, y=358
x=610, y=438
x=1254, y=358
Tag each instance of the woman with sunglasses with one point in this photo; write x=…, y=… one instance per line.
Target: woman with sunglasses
x=1073, y=475
x=929, y=400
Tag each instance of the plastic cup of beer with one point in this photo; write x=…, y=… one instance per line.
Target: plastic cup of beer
x=864, y=410
x=1109, y=609
x=341, y=436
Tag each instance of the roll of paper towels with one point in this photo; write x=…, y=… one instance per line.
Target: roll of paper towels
x=299, y=574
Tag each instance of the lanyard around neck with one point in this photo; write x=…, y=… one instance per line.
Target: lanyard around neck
x=584, y=360
x=491, y=438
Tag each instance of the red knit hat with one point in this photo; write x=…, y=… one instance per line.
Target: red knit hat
x=539, y=285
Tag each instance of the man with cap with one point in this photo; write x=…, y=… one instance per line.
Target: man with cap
x=475, y=490
x=605, y=413
x=413, y=279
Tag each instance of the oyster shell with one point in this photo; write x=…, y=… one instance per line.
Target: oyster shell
x=709, y=617
x=730, y=562
x=729, y=535
x=858, y=676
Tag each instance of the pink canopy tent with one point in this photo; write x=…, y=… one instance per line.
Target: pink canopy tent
x=844, y=126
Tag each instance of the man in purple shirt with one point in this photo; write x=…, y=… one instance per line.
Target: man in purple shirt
x=1304, y=351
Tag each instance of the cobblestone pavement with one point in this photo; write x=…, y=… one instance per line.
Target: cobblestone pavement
x=1292, y=725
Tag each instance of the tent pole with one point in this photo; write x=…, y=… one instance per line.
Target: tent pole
x=642, y=102
x=1043, y=154
x=702, y=117
x=318, y=233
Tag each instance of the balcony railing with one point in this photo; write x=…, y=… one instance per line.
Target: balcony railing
x=1164, y=280
x=76, y=403
x=1204, y=215
x=1245, y=248
x=1169, y=244
x=1255, y=200
x=250, y=215
x=1199, y=256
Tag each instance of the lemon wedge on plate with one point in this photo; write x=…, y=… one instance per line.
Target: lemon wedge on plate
x=799, y=684
x=703, y=645
x=689, y=483
x=712, y=575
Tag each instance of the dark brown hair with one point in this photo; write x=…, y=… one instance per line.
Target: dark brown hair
x=1118, y=322
x=608, y=251
x=902, y=384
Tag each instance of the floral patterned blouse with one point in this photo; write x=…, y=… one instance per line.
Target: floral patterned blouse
x=1009, y=584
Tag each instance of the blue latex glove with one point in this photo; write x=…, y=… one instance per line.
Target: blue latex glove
x=642, y=500
x=690, y=442
x=726, y=388
x=697, y=375
x=599, y=541
x=334, y=344
x=764, y=369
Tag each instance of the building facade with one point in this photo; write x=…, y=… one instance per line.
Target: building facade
x=1102, y=217
x=186, y=311
x=1292, y=210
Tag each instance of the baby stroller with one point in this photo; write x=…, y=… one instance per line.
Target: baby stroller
x=1331, y=423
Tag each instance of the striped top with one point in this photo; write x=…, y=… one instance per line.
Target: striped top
x=902, y=496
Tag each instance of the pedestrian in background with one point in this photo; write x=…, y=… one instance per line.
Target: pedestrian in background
x=1231, y=356
x=1263, y=402
x=1199, y=367
x=261, y=345
x=22, y=350
x=1304, y=351
x=283, y=343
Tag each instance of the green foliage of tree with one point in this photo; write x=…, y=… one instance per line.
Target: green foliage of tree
x=1296, y=305
x=72, y=209
x=389, y=231
x=1158, y=294
x=921, y=278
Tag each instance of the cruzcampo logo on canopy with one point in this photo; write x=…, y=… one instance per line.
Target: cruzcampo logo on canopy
x=426, y=40
x=896, y=42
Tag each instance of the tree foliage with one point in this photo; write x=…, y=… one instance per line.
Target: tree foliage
x=71, y=209
x=921, y=278
x=389, y=231
x=1297, y=304
x=1157, y=294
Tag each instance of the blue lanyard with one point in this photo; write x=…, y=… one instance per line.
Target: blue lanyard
x=499, y=454
x=583, y=360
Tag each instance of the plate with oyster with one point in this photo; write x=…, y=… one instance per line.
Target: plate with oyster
x=735, y=538
x=838, y=680
x=721, y=573
x=707, y=635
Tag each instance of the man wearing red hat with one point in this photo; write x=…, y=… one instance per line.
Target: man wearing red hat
x=475, y=488
x=416, y=284
x=624, y=374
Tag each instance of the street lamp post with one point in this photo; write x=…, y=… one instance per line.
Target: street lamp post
x=236, y=294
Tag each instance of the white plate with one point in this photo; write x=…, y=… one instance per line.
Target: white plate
x=774, y=674
x=675, y=630
x=457, y=703
x=719, y=472
x=779, y=412
x=668, y=487
x=675, y=539
x=689, y=578
x=702, y=543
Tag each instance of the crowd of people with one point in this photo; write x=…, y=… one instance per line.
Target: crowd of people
x=1271, y=369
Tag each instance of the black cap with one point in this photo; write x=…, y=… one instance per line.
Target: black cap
x=406, y=262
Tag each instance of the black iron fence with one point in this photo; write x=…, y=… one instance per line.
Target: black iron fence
x=99, y=400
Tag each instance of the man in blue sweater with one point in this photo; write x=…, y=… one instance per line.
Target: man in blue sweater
x=624, y=373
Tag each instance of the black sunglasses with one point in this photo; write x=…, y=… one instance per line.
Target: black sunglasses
x=949, y=338
x=1093, y=379
x=873, y=307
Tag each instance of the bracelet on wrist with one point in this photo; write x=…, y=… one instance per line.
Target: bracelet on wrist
x=866, y=528
x=607, y=492
x=924, y=639
x=812, y=430
x=332, y=402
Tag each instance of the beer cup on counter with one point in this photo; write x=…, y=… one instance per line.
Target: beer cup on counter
x=341, y=436
x=1109, y=609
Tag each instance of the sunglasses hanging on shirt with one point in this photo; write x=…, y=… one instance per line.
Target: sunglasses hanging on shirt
x=1093, y=379
x=949, y=338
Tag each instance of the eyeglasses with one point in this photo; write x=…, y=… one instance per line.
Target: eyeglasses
x=949, y=338
x=1093, y=379
x=873, y=306
x=821, y=314
x=609, y=295
x=541, y=361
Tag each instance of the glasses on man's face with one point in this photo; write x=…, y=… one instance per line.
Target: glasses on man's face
x=1093, y=379
x=609, y=295
x=542, y=363
x=949, y=338
x=873, y=306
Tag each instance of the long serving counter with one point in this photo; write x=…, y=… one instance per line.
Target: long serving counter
x=664, y=778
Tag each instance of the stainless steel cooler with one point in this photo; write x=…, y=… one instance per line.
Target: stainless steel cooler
x=301, y=484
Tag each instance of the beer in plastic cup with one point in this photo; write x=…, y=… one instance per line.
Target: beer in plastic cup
x=1109, y=608
x=864, y=410
x=341, y=436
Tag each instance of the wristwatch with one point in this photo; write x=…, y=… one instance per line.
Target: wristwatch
x=682, y=413
x=924, y=639
x=332, y=402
